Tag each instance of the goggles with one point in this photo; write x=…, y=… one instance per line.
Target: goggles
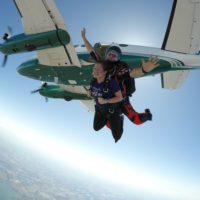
x=112, y=54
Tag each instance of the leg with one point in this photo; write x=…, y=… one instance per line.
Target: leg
x=99, y=120
x=116, y=124
x=135, y=117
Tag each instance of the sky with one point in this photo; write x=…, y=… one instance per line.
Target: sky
x=164, y=152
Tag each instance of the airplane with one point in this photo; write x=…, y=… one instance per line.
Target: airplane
x=66, y=69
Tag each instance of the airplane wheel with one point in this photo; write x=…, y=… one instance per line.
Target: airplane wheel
x=67, y=98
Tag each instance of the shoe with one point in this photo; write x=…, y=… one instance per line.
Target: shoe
x=149, y=115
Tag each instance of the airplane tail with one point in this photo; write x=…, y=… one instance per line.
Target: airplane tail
x=188, y=12
x=173, y=79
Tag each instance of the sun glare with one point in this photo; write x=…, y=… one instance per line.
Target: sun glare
x=97, y=165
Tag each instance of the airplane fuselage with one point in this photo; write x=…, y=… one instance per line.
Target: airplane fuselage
x=131, y=54
x=69, y=78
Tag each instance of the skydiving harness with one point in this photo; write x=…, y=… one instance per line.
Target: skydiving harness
x=106, y=91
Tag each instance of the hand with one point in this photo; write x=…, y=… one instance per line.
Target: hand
x=89, y=93
x=151, y=64
x=101, y=100
x=83, y=33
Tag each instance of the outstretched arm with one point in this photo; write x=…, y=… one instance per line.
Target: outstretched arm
x=86, y=42
x=148, y=66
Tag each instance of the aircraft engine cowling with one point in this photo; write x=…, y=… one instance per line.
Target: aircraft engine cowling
x=55, y=91
x=24, y=43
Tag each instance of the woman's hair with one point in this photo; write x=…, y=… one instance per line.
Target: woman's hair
x=105, y=64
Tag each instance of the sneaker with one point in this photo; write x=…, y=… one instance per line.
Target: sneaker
x=149, y=115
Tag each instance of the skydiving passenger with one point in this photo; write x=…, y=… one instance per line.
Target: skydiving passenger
x=108, y=99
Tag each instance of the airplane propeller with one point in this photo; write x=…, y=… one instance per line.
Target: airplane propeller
x=38, y=90
x=41, y=87
x=4, y=61
x=5, y=37
x=8, y=34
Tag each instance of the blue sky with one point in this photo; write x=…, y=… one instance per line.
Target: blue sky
x=168, y=147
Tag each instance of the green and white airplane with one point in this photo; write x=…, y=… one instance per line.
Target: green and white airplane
x=67, y=68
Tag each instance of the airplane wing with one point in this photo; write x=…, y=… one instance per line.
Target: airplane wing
x=183, y=36
x=90, y=104
x=42, y=16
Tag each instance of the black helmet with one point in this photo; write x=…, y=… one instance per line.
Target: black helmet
x=115, y=49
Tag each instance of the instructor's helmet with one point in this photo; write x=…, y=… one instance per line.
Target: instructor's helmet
x=113, y=53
